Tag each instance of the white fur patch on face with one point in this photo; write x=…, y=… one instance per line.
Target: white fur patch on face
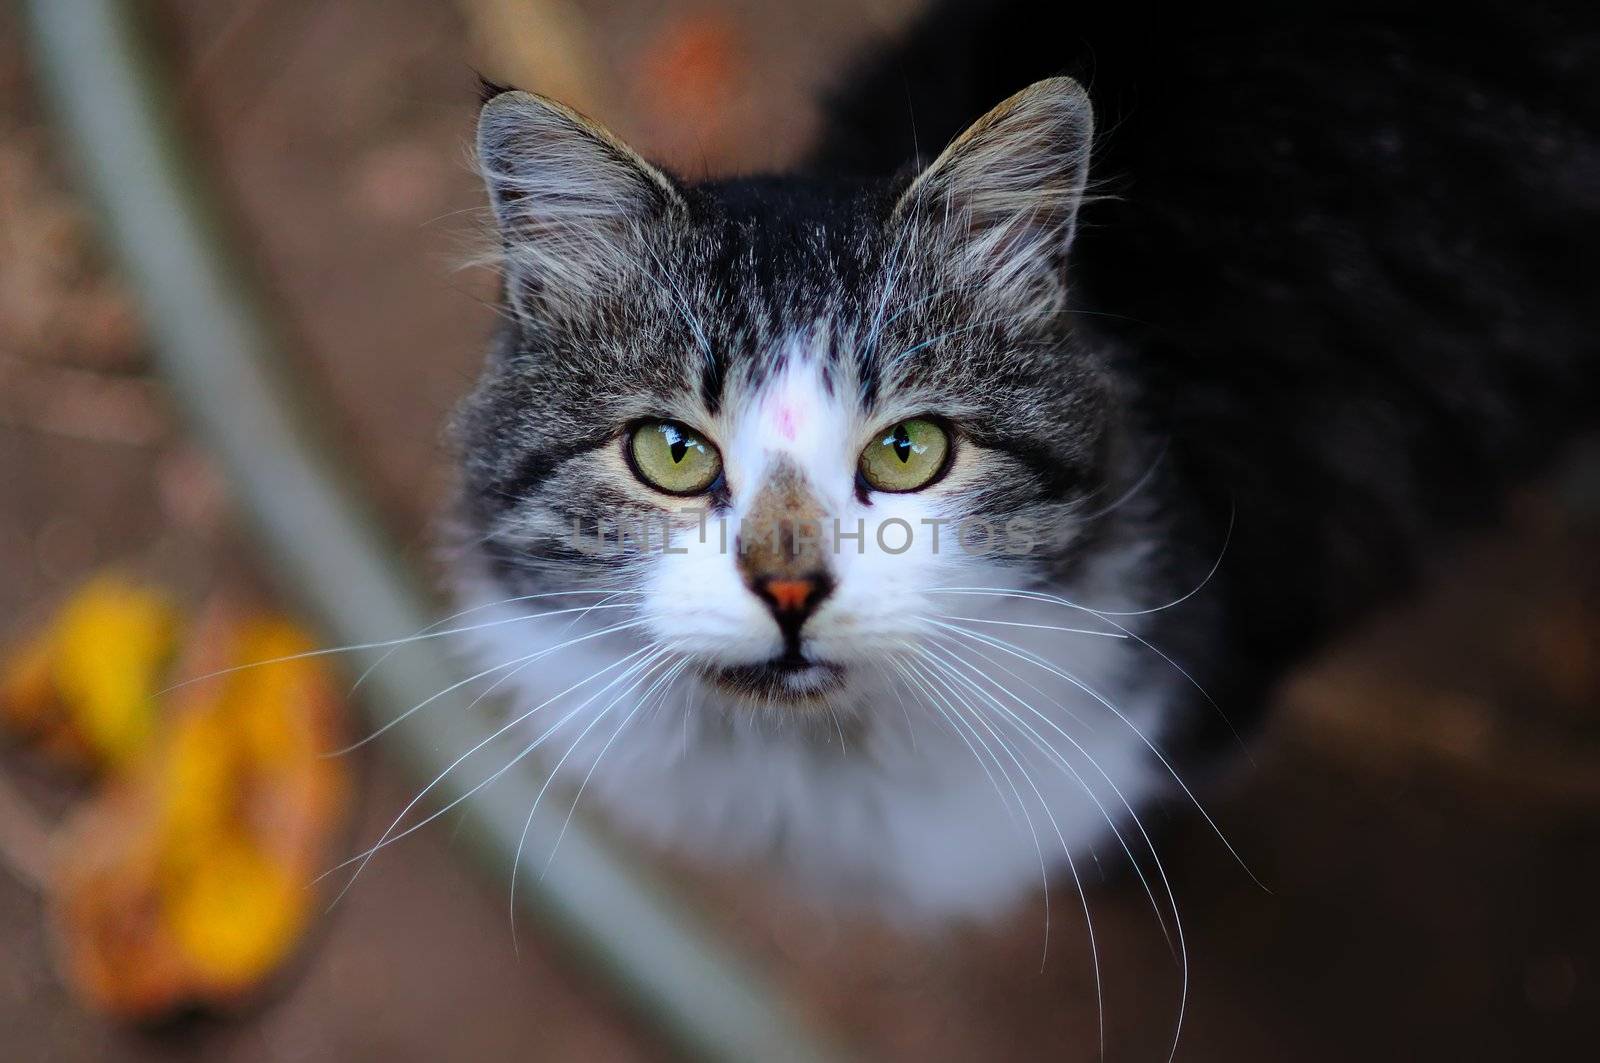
x=793, y=417
x=881, y=553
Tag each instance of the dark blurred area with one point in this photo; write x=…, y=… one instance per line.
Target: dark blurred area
x=1424, y=808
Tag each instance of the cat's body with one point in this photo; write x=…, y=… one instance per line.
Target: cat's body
x=1354, y=250
x=1335, y=294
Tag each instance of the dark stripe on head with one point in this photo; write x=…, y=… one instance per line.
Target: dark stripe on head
x=528, y=565
x=870, y=386
x=713, y=378
x=537, y=466
x=1060, y=479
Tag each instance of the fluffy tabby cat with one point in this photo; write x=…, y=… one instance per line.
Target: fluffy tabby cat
x=984, y=487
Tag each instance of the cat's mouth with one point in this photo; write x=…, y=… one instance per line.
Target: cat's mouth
x=789, y=678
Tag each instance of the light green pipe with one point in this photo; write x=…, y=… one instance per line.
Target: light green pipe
x=224, y=361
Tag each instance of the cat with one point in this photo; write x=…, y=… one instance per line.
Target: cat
x=908, y=526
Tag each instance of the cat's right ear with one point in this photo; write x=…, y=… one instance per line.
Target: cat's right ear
x=1003, y=198
x=573, y=203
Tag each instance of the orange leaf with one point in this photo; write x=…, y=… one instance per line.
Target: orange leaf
x=188, y=882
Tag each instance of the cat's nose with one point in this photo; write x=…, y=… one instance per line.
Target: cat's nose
x=792, y=599
x=790, y=595
x=781, y=555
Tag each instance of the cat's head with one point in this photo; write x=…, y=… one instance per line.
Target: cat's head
x=843, y=400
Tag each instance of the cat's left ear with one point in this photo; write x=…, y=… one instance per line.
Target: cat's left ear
x=575, y=205
x=1005, y=194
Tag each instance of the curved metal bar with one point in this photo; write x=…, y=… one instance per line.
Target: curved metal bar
x=218, y=351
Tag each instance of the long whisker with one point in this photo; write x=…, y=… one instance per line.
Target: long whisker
x=1053, y=754
x=959, y=330
x=373, y=667
x=1128, y=495
x=1052, y=599
x=894, y=687
x=952, y=643
x=870, y=346
x=1181, y=949
x=681, y=302
x=389, y=836
x=663, y=685
x=954, y=647
x=379, y=645
x=1039, y=627
x=912, y=676
x=654, y=661
x=1035, y=659
x=529, y=658
x=1041, y=596
x=1045, y=805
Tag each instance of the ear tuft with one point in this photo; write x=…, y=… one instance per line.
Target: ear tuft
x=489, y=89
x=572, y=202
x=1007, y=191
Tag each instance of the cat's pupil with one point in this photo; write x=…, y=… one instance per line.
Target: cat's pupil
x=679, y=448
x=902, y=444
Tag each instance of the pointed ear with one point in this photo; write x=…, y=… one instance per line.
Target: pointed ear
x=572, y=202
x=1006, y=192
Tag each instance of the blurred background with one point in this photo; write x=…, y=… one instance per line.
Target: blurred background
x=1425, y=806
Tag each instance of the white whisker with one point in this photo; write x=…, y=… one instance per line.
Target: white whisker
x=1181, y=947
x=652, y=662
x=1052, y=599
x=528, y=659
x=389, y=836
x=1044, y=804
x=1035, y=659
x=660, y=688
x=911, y=674
x=1053, y=754
x=1037, y=627
x=373, y=667
x=380, y=645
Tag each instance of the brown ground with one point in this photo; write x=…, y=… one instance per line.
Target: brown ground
x=1425, y=809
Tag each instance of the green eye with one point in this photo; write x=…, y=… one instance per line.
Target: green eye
x=905, y=458
x=670, y=457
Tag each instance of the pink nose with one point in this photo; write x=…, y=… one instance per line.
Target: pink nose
x=790, y=595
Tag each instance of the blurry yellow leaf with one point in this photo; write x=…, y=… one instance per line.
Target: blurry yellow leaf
x=86, y=684
x=193, y=780
x=236, y=915
x=113, y=645
x=188, y=882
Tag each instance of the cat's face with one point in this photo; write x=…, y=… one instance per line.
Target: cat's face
x=797, y=414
